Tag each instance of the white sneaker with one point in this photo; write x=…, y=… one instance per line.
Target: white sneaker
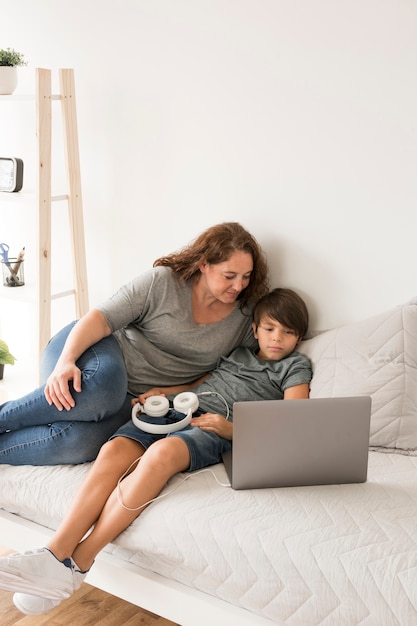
x=40, y=573
x=33, y=605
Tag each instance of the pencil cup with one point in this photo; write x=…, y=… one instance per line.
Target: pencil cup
x=13, y=273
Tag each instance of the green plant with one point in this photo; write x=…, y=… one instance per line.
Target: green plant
x=10, y=57
x=5, y=357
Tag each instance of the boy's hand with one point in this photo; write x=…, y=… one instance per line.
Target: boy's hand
x=214, y=423
x=155, y=391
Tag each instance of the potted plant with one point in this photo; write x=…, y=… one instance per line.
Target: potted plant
x=9, y=62
x=6, y=358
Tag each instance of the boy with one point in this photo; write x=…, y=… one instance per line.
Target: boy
x=113, y=494
x=274, y=371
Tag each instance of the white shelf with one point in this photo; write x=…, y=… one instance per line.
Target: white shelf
x=24, y=97
x=24, y=293
x=17, y=97
x=25, y=195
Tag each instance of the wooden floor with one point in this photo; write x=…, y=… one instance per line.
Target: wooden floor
x=87, y=607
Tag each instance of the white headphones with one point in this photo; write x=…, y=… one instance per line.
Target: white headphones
x=158, y=406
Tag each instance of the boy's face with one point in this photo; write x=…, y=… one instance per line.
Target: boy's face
x=275, y=340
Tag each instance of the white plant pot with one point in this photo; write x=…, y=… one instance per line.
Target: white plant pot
x=8, y=79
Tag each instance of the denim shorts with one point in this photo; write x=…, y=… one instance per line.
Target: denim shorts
x=205, y=448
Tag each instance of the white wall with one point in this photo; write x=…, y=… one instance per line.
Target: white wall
x=295, y=117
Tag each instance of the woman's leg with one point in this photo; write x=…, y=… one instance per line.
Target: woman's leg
x=53, y=351
x=33, y=432
x=103, y=390
x=61, y=443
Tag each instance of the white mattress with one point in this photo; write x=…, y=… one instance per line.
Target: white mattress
x=342, y=554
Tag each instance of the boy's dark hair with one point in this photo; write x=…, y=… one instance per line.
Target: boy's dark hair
x=285, y=306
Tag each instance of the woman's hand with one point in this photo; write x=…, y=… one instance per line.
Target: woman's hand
x=87, y=331
x=214, y=423
x=57, y=389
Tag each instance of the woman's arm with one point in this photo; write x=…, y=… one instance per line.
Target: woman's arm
x=165, y=391
x=88, y=330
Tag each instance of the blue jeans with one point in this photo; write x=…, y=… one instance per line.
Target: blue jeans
x=34, y=433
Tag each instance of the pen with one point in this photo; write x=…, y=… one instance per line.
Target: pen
x=14, y=278
x=19, y=259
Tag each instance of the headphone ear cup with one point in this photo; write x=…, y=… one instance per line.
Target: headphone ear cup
x=186, y=401
x=156, y=406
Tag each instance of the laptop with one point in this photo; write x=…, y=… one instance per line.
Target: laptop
x=291, y=443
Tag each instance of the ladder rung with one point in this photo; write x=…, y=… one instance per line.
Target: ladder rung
x=62, y=294
x=56, y=96
x=59, y=198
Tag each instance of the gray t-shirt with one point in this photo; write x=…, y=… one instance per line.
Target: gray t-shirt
x=243, y=376
x=151, y=318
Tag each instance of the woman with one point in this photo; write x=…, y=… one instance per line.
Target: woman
x=113, y=494
x=167, y=327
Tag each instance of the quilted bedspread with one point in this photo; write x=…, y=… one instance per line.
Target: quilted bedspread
x=328, y=555
x=336, y=555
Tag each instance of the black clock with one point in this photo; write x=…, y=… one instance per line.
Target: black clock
x=11, y=174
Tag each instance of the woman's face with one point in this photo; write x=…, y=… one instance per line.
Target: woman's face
x=226, y=280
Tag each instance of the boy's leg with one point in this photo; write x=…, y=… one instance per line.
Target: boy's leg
x=162, y=460
x=113, y=460
x=41, y=572
x=50, y=572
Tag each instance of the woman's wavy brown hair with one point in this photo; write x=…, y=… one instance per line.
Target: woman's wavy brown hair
x=216, y=245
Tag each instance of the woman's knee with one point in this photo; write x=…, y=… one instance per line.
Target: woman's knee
x=104, y=376
x=53, y=351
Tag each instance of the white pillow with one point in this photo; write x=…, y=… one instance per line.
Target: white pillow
x=375, y=357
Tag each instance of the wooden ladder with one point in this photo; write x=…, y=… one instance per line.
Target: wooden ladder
x=45, y=199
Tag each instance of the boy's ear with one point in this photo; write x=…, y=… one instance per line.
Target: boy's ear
x=255, y=330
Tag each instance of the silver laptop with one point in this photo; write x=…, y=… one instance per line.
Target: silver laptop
x=290, y=443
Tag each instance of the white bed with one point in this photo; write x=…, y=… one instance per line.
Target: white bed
x=339, y=554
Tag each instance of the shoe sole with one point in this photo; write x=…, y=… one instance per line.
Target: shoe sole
x=13, y=582
x=26, y=611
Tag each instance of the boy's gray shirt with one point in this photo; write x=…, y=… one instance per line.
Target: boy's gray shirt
x=243, y=376
x=151, y=318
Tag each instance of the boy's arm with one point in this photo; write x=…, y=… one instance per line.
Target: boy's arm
x=299, y=392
